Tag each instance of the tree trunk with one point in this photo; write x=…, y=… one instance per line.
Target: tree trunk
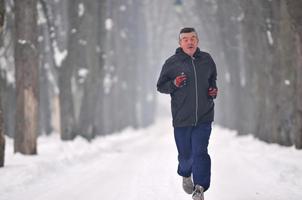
x=2, y=140
x=294, y=8
x=46, y=62
x=55, y=41
x=66, y=104
x=98, y=120
x=298, y=131
x=91, y=83
x=27, y=77
x=2, y=14
x=67, y=111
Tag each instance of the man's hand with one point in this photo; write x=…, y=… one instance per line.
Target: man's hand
x=212, y=92
x=180, y=80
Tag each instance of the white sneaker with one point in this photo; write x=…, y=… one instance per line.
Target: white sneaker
x=187, y=184
x=198, y=193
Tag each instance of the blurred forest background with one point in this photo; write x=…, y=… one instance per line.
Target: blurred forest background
x=89, y=67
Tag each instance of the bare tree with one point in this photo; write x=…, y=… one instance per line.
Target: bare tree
x=27, y=77
x=294, y=7
x=2, y=140
x=259, y=76
x=66, y=73
x=93, y=64
x=2, y=13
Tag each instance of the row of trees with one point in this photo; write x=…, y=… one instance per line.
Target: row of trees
x=258, y=48
x=89, y=67
x=75, y=67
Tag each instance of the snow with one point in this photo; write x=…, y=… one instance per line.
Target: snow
x=242, y=81
x=141, y=164
x=270, y=37
x=107, y=82
x=40, y=38
x=240, y=17
x=20, y=41
x=41, y=17
x=59, y=55
x=108, y=24
x=82, y=42
x=83, y=72
x=10, y=73
x=287, y=82
x=123, y=8
x=227, y=77
x=2, y=62
x=26, y=42
x=51, y=78
x=73, y=30
x=81, y=9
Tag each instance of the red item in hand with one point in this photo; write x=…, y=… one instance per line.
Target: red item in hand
x=212, y=92
x=180, y=80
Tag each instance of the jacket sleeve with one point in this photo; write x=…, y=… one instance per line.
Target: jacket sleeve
x=165, y=83
x=213, y=76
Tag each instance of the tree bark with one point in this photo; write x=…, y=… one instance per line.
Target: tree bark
x=67, y=111
x=2, y=14
x=294, y=9
x=46, y=62
x=298, y=130
x=98, y=120
x=94, y=64
x=2, y=140
x=27, y=77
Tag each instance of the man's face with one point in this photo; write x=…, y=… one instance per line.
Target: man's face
x=188, y=42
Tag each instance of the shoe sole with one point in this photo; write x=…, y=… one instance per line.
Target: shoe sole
x=189, y=191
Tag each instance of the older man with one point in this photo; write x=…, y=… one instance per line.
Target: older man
x=189, y=76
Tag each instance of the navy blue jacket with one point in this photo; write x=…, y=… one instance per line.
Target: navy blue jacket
x=190, y=104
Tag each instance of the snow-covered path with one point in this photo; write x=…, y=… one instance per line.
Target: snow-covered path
x=141, y=165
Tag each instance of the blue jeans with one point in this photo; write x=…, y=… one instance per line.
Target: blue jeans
x=193, y=158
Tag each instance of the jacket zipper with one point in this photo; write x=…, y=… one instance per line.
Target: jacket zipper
x=196, y=90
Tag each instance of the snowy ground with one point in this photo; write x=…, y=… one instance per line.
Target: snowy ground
x=141, y=165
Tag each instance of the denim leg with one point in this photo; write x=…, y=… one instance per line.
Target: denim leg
x=201, y=168
x=182, y=137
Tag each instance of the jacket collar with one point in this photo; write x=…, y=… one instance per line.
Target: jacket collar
x=179, y=52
